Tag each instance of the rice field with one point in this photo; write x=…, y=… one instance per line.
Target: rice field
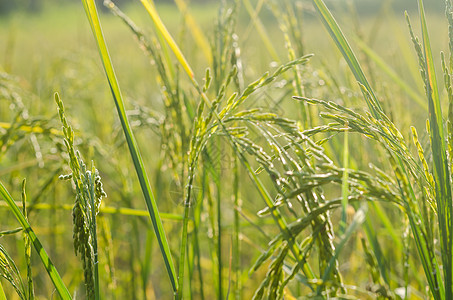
x=241, y=149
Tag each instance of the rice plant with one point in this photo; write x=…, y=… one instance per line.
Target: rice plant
x=286, y=179
x=89, y=193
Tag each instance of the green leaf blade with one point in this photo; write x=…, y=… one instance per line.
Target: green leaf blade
x=50, y=268
x=441, y=170
x=156, y=220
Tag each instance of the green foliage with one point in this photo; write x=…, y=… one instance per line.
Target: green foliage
x=278, y=180
x=48, y=265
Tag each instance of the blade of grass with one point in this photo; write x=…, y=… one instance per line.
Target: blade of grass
x=195, y=30
x=27, y=244
x=345, y=49
x=219, y=228
x=441, y=171
x=236, y=233
x=151, y=9
x=93, y=18
x=50, y=268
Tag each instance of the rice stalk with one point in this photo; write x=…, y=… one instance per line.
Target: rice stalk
x=424, y=245
x=232, y=104
x=440, y=166
x=27, y=244
x=289, y=26
x=387, y=136
x=89, y=193
x=344, y=185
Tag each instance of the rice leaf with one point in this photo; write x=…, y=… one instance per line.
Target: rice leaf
x=48, y=265
x=195, y=30
x=151, y=9
x=93, y=18
x=27, y=244
x=441, y=171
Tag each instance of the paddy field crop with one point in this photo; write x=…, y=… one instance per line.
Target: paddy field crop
x=227, y=150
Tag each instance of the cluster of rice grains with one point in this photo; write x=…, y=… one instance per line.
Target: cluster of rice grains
x=89, y=193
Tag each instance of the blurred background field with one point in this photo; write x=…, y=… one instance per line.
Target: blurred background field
x=47, y=43
x=46, y=47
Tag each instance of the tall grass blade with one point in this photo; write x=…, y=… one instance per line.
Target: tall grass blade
x=151, y=9
x=345, y=49
x=93, y=18
x=441, y=171
x=27, y=244
x=50, y=268
x=195, y=30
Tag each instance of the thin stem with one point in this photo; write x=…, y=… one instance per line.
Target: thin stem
x=93, y=229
